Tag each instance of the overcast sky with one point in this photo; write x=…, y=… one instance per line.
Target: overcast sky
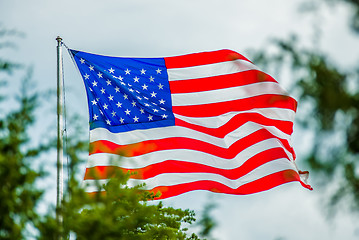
x=154, y=28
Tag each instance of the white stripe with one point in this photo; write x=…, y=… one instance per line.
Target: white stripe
x=281, y=114
x=185, y=155
x=210, y=70
x=227, y=94
x=141, y=135
x=170, y=179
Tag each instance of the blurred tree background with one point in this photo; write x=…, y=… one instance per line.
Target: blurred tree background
x=328, y=93
x=123, y=213
x=18, y=194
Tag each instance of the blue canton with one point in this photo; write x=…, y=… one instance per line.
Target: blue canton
x=125, y=94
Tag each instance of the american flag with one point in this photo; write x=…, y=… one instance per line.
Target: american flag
x=204, y=121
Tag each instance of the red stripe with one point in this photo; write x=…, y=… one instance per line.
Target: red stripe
x=216, y=109
x=237, y=121
x=196, y=59
x=259, y=185
x=173, y=166
x=137, y=149
x=220, y=82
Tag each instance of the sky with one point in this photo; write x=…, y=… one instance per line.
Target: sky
x=156, y=28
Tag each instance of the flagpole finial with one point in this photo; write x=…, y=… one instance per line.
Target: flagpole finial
x=59, y=39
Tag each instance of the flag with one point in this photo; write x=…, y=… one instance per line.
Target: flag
x=203, y=121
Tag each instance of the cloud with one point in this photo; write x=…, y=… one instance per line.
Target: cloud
x=163, y=28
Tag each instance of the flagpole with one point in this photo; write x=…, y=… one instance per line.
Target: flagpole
x=60, y=132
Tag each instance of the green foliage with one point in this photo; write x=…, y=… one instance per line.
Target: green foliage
x=331, y=97
x=18, y=194
x=207, y=222
x=120, y=213
x=6, y=42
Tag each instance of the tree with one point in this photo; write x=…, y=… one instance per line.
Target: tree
x=18, y=193
x=121, y=213
x=207, y=222
x=330, y=95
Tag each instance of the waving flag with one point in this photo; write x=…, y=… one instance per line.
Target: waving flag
x=204, y=121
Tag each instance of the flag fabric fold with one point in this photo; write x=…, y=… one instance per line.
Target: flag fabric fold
x=204, y=121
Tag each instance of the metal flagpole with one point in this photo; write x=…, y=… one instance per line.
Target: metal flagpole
x=60, y=133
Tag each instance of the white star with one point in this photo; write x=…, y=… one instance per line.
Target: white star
x=155, y=110
x=91, y=68
x=117, y=89
x=150, y=117
x=147, y=105
x=95, y=117
x=153, y=94
x=110, y=97
x=101, y=112
x=103, y=90
x=125, y=96
x=122, y=120
x=120, y=78
x=99, y=75
x=146, y=98
x=108, y=82
x=94, y=83
x=164, y=116
x=91, y=89
x=133, y=103
x=143, y=71
x=162, y=101
x=158, y=71
x=139, y=98
x=142, y=111
x=122, y=83
x=127, y=112
x=113, y=113
x=82, y=61
x=119, y=104
x=152, y=79
x=105, y=106
x=127, y=71
x=111, y=70
x=94, y=102
x=144, y=87
x=131, y=90
x=160, y=86
x=135, y=119
x=136, y=79
x=86, y=76
x=108, y=122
